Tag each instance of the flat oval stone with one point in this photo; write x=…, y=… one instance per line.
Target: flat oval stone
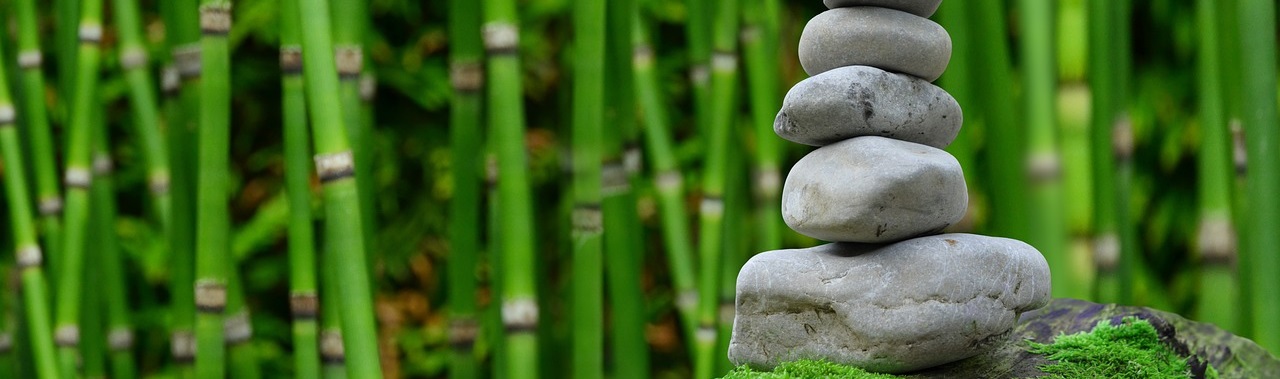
x=856, y=101
x=922, y=8
x=887, y=308
x=873, y=190
x=871, y=36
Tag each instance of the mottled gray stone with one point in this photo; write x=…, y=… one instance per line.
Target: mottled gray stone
x=871, y=36
x=922, y=8
x=887, y=308
x=856, y=101
x=874, y=190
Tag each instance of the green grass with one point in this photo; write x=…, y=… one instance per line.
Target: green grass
x=807, y=369
x=1129, y=350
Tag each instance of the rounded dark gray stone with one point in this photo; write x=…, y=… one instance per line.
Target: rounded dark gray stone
x=922, y=8
x=871, y=36
x=874, y=190
x=857, y=101
x=887, y=308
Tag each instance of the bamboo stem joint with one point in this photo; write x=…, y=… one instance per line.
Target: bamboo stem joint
x=215, y=19
x=211, y=296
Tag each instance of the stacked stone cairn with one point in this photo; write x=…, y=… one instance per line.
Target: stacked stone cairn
x=889, y=294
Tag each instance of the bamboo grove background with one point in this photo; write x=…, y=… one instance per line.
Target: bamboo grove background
x=516, y=189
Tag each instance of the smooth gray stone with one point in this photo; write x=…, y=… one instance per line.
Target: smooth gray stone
x=856, y=101
x=873, y=190
x=871, y=36
x=922, y=8
x=886, y=308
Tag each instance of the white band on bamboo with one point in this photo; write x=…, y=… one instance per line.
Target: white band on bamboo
x=120, y=339
x=90, y=33
x=50, y=205
x=687, y=300
x=28, y=59
x=466, y=76
x=237, y=328
x=66, y=336
x=183, y=346
x=1106, y=252
x=1239, y=154
x=632, y=159
x=669, y=180
x=7, y=115
x=587, y=218
x=102, y=164
x=1043, y=167
x=291, y=59
x=750, y=33
x=331, y=349
x=349, y=60
x=215, y=19
x=722, y=61
x=158, y=182
x=520, y=315
x=642, y=56
x=463, y=332
x=726, y=311
x=1216, y=240
x=187, y=59
x=614, y=179
x=77, y=177
x=768, y=181
x=705, y=333
x=711, y=205
x=501, y=37
x=29, y=256
x=334, y=166
x=491, y=170
x=170, y=80
x=304, y=305
x=133, y=57
x=1122, y=138
x=699, y=74
x=6, y=342
x=368, y=87
x=211, y=296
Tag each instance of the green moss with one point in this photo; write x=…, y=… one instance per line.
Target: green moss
x=807, y=369
x=1129, y=350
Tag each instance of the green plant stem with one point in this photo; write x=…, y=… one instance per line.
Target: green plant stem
x=668, y=178
x=36, y=119
x=27, y=253
x=304, y=301
x=759, y=46
x=736, y=246
x=711, y=215
x=1104, y=80
x=237, y=330
x=142, y=98
x=119, y=330
x=1005, y=147
x=1263, y=180
x=466, y=57
x=517, y=258
x=587, y=317
x=182, y=25
x=344, y=243
x=958, y=81
x=348, y=43
x=212, y=209
x=66, y=42
x=698, y=30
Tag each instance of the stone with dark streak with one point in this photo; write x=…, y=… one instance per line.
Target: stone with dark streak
x=857, y=101
x=890, y=308
x=880, y=37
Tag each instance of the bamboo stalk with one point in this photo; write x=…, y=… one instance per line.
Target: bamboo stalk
x=119, y=330
x=36, y=119
x=517, y=258
x=66, y=41
x=1005, y=147
x=698, y=31
x=304, y=301
x=351, y=18
x=182, y=23
x=587, y=262
x=344, y=246
x=1258, y=56
x=1102, y=79
x=237, y=329
x=736, y=245
x=711, y=215
x=465, y=123
x=93, y=348
x=142, y=98
x=759, y=47
x=27, y=253
x=958, y=81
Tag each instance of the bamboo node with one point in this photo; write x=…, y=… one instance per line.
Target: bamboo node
x=614, y=179
x=335, y=166
x=291, y=59
x=368, y=87
x=50, y=206
x=183, y=346
x=133, y=57
x=66, y=336
x=304, y=305
x=29, y=256
x=726, y=311
x=520, y=315
x=501, y=38
x=158, y=182
x=90, y=33
x=712, y=205
x=706, y=333
x=349, y=59
x=466, y=76
x=331, y=349
x=669, y=180
x=29, y=59
x=187, y=59
x=211, y=296
x=587, y=218
x=632, y=158
x=1122, y=138
x=77, y=177
x=462, y=333
x=768, y=181
x=7, y=115
x=750, y=34
x=1106, y=252
x=170, y=80
x=237, y=328
x=687, y=300
x=1216, y=241
x=102, y=164
x=1044, y=167
x=699, y=74
x=6, y=342
x=215, y=19
x=120, y=338
x=642, y=56
x=1239, y=154
x=724, y=61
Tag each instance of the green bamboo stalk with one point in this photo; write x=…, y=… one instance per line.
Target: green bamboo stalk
x=958, y=81
x=1130, y=258
x=724, y=76
x=237, y=330
x=332, y=352
x=142, y=98
x=1005, y=147
x=1215, y=239
x=668, y=178
x=623, y=238
x=467, y=76
x=736, y=246
x=759, y=47
x=1263, y=181
x=77, y=178
x=93, y=346
x=66, y=41
x=27, y=253
x=1044, y=162
x=1073, y=113
x=349, y=21
x=182, y=23
x=698, y=31
x=587, y=317
x=119, y=330
x=36, y=120
x=344, y=244
x=506, y=118
x=303, y=300
x=1103, y=81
